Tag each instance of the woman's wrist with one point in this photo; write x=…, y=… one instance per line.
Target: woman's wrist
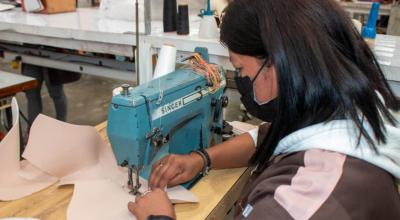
x=199, y=163
x=206, y=161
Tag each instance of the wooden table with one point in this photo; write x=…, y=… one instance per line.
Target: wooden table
x=217, y=193
x=11, y=83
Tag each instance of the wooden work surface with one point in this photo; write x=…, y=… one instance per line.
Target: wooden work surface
x=217, y=193
x=11, y=83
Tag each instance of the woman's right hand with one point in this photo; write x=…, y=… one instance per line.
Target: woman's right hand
x=175, y=169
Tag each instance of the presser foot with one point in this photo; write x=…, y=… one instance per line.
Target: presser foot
x=135, y=191
x=134, y=187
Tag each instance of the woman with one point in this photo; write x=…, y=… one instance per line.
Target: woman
x=332, y=150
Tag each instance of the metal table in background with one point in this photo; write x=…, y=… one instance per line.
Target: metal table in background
x=364, y=8
x=11, y=84
x=387, y=51
x=83, y=30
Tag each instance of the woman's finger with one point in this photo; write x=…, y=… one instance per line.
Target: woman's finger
x=132, y=207
x=137, y=198
x=168, y=175
x=158, y=175
x=178, y=179
x=155, y=172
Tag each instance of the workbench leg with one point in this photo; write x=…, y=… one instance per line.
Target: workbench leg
x=9, y=118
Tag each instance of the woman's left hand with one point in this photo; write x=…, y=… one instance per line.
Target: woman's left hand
x=155, y=202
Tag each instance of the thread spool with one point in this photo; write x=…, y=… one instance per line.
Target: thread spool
x=169, y=15
x=166, y=61
x=183, y=19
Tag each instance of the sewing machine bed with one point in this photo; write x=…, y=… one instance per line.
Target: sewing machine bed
x=217, y=193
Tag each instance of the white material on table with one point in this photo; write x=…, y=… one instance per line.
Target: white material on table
x=85, y=24
x=11, y=79
x=387, y=50
x=121, y=9
x=5, y=7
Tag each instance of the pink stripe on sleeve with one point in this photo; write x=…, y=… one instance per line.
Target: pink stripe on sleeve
x=312, y=184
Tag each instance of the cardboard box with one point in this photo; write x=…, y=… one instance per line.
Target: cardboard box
x=55, y=6
x=58, y=6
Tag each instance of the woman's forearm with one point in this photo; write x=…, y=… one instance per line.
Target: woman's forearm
x=233, y=153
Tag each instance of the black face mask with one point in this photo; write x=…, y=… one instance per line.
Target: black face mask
x=265, y=112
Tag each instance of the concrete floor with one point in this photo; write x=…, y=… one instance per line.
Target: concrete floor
x=88, y=100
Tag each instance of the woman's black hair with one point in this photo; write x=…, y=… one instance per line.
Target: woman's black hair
x=325, y=69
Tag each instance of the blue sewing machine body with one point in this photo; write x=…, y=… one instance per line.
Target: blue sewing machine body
x=174, y=114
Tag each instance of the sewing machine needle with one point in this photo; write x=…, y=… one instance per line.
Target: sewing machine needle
x=138, y=185
x=134, y=187
x=130, y=180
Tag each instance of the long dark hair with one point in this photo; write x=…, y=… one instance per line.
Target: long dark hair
x=325, y=69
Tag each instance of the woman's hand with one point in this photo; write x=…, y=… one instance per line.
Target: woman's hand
x=175, y=169
x=155, y=202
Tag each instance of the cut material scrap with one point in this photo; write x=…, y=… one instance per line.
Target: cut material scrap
x=13, y=185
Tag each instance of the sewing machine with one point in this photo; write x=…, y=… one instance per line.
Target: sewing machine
x=174, y=114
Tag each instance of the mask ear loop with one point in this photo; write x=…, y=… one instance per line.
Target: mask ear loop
x=259, y=71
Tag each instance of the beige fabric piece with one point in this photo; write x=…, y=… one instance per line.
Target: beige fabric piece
x=103, y=199
x=99, y=199
x=12, y=185
x=62, y=149
x=77, y=155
